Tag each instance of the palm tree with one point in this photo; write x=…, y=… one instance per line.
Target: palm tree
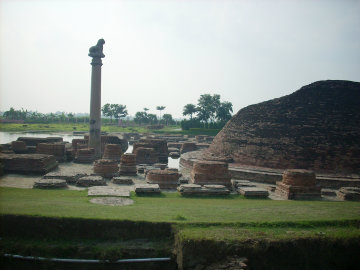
x=189, y=109
x=160, y=108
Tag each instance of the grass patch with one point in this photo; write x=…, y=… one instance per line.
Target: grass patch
x=164, y=208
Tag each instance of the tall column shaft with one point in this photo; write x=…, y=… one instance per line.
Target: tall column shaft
x=95, y=107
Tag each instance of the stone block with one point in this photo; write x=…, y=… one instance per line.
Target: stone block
x=349, y=193
x=113, y=152
x=253, y=192
x=28, y=163
x=106, y=168
x=70, y=178
x=50, y=184
x=89, y=181
x=121, y=180
x=206, y=190
x=147, y=188
x=164, y=178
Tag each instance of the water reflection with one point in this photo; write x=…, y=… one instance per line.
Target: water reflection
x=8, y=137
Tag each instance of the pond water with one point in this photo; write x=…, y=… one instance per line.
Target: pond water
x=8, y=137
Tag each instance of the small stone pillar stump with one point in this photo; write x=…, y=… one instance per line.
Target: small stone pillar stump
x=145, y=155
x=188, y=147
x=96, y=52
x=106, y=168
x=128, y=165
x=166, y=179
x=298, y=184
x=86, y=155
x=210, y=173
x=113, y=152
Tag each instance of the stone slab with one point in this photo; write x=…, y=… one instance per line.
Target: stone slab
x=89, y=181
x=147, y=188
x=105, y=191
x=122, y=180
x=69, y=177
x=50, y=183
x=253, y=192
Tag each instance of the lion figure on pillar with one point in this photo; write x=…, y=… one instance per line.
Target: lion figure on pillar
x=97, y=50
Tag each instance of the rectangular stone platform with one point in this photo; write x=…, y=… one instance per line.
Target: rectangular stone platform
x=253, y=192
x=206, y=190
x=147, y=188
x=28, y=163
x=298, y=192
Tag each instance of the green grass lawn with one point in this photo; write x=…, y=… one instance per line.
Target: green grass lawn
x=172, y=207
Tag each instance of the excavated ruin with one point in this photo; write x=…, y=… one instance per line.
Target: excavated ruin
x=315, y=128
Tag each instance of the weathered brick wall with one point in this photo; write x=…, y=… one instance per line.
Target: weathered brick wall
x=316, y=127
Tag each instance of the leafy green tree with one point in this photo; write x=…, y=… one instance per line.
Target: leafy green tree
x=152, y=118
x=70, y=117
x=146, y=110
x=118, y=111
x=207, y=107
x=167, y=118
x=140, y=117
x=224, y=111
x=107, y=111
x=189, y=109
x=160, y=108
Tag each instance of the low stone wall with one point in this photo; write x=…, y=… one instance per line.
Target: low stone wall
x=28, y=163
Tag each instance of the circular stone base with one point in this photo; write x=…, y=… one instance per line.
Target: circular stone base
x=113, y=201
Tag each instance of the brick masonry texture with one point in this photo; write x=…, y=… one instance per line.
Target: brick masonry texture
x=316, y=127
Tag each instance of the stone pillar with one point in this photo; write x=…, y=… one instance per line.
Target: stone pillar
x=96, y=52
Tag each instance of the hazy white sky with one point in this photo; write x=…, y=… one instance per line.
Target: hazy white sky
x=170, y=52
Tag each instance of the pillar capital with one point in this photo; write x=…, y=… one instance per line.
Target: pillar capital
x=96, y=61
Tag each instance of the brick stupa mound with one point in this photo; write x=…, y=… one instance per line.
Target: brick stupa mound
x=316, y=127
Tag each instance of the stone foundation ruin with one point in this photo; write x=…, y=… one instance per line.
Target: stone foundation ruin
x=210, y=173
x=106, y=168
x=298, y=185
x=166, y=179
x=128, y=165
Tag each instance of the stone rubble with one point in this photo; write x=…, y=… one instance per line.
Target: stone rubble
x=128, y=165
x=349, y=193
x=166, y=179
x=89, y=181
x=85, y=155
x=113, y=152
x=122, y=180
x=147, y=188
x=253, y=192
x=55, y=149
x=70, y=178
x=28, y=163
x=206, y=190
x=298, y=184
x=106, y=168
x=210, y=173
x=50, y=184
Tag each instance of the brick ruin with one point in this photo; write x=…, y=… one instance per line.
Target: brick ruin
x=210, y=173
x=298, y=184
x=315, y=128
x=159, y=145
x=166, y=179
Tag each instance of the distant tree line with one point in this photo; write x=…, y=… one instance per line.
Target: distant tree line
x=145, y=118
x=36, y=117
x=209, y=112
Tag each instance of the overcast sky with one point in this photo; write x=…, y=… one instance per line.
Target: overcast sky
x=170, y=52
